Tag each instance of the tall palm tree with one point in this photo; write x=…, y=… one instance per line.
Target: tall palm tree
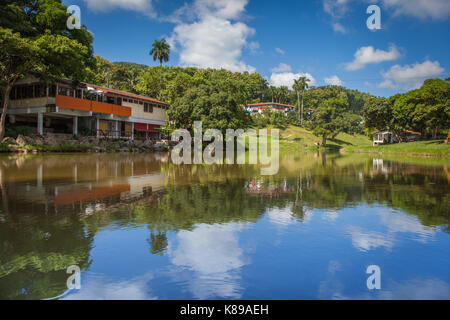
x=300, y=85
x=284, y=94
x=160, y=51
x=273, y=92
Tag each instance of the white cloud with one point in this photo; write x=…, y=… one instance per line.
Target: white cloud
x=212, y=39
x=410, y=76
x=422, y=9
x=335, y=8
x=367, y=55
x=333, y=81
x=283, y=76
x=280, y=51
x=143, y=6
x=337, y=27
x=282, y=67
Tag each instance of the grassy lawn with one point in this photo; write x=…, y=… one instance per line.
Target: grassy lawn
x=437, y=148
x=295, y=138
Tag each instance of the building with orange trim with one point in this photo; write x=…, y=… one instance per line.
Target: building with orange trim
x=85, y=108
x=256, y=108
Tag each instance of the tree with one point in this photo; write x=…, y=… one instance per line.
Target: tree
x=300, y=85
x=160, y=51
x=328, y=119
x=278, y=119
x=377, y=113
x=34, y=39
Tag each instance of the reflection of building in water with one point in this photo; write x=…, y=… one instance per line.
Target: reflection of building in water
x=258, y=187
x=79, y=185
x=379, y=166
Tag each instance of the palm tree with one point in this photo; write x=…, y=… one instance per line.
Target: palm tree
x=300, y=85
x=160, y=51
x=273, y=92
x=284, y=94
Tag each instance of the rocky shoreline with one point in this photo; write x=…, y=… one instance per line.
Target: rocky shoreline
x=69, y=143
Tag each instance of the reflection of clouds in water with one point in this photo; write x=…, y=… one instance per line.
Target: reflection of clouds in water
x=399, y=222
x=213, y=253
x=368, y=240
x=415, y=289
x=331, y=287
x=331, y=215
x=395, y=222
x=99, y=287
x=281, y=217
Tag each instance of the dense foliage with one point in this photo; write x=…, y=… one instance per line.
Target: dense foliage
x=426, y=110
x=34, y=39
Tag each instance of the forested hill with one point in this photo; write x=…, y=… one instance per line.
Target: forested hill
x=170, y=83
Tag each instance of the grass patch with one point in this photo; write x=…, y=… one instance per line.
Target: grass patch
x=435, y=148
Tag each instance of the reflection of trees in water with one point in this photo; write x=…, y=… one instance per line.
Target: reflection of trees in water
x=158, y=243
x=37, y=245
x=34, y=256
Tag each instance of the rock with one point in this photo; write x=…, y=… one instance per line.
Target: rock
x=161, y=146
x=22, y=140
x=9, y=140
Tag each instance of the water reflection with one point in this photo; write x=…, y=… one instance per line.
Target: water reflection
x=143, y=228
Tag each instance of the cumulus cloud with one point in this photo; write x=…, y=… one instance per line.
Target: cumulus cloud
x=333, y=81
x=410, y=76
x=282, y=67
x=422, y=9
x=337, y=10
x=283, y=76
x=368, y=55
x=213, y=38
x=143, y=6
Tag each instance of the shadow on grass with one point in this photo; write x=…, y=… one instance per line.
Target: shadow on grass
x=342, y=142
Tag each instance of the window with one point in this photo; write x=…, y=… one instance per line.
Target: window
x=62, y=91
x=78, y=93
x=148, y=107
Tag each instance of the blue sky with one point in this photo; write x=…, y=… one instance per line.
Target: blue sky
x=326, y=40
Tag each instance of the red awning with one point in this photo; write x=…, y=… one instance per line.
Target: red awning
x=144, y=127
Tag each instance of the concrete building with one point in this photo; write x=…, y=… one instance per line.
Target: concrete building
x=256, y=108
x=85, y=109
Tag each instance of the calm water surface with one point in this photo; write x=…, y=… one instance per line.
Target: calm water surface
x=140, y=227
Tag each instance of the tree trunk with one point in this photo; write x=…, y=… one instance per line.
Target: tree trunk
x=5, y=108
x=324, y=140
x=298, y=104
x=435, y=131
x=301, y=120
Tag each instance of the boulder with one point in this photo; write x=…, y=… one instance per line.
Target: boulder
x=9, y=140
x=22, y=140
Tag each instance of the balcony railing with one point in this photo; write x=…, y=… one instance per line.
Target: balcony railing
x=89, y=105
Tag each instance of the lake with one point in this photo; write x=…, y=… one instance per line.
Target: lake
x=140, y=227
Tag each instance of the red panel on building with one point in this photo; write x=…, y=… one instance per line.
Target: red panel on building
x=147, y=127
